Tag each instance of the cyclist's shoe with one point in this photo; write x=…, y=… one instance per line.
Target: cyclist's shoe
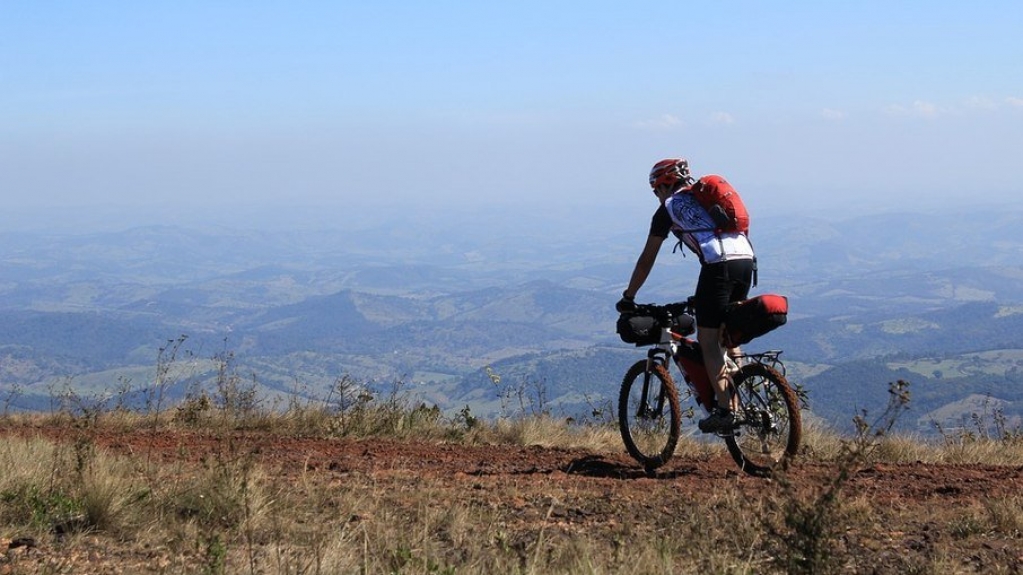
x=721, y=421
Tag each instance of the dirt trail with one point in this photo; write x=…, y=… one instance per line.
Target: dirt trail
x=455, y=463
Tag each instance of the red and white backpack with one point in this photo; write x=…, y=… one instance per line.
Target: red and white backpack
x=722, y=202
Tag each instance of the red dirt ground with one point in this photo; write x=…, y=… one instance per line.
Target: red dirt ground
x=486, y=469
x=916, y=481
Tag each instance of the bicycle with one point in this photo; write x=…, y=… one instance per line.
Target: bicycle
x=768, y=423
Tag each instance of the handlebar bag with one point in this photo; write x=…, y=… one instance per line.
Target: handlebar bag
x=638, y=329
x=754, y=317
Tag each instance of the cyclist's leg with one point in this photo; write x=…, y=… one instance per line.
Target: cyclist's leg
x=741, y=274
x=713, y=292
x=719, y=284
x=714, y=361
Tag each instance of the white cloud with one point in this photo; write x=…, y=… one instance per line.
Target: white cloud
x=925, y=109
x=830, y=114
x=895, y=110
x=722, y=118
x=919, y=108
x=664, y=122
x=981, y=103
x=974, y=104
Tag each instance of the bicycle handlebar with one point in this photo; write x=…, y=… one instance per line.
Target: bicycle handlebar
x=666, y=311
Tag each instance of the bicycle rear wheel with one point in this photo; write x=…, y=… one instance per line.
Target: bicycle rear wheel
x=648, y=414
x=769, y=423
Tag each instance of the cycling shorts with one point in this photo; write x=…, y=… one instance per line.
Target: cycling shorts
x=720, y=284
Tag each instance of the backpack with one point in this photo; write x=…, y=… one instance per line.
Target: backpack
x=723, y=203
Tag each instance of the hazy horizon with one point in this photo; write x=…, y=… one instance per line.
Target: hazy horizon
x=322, y=112
x=504, y=216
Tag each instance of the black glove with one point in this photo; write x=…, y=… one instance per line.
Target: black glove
x=625, y=304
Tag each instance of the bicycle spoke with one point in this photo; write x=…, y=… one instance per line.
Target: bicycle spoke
x=648, y=414
x=770, y=429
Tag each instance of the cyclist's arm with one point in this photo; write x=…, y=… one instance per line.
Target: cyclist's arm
x=644, y=264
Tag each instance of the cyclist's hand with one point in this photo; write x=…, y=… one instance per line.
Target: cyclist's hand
x=626, y=304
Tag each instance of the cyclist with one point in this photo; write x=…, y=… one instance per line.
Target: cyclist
x=727, y=264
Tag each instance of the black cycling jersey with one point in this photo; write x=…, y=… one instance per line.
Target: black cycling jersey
x=660, y=224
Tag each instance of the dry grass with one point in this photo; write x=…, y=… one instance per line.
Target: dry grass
x=229, y=513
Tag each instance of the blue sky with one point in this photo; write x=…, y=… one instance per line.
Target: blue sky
x=371, y=105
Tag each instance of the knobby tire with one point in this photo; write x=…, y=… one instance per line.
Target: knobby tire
x=650, y=436
x=771, y=428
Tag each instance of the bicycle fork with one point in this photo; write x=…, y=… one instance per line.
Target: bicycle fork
x=645, y=409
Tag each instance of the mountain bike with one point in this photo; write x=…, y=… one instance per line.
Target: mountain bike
x=768, y=426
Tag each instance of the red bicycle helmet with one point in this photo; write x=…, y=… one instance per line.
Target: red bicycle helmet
x=670, y=171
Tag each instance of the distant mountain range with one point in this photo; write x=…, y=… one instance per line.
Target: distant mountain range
x=873, y=298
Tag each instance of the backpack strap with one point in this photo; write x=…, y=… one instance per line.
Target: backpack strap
x=755, y=278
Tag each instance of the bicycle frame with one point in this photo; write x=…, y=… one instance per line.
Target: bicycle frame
x=688, y=358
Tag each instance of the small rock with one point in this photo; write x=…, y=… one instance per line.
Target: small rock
x=22, y=542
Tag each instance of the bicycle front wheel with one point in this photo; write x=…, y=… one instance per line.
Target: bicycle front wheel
x=769, y=423
x=648, y=414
